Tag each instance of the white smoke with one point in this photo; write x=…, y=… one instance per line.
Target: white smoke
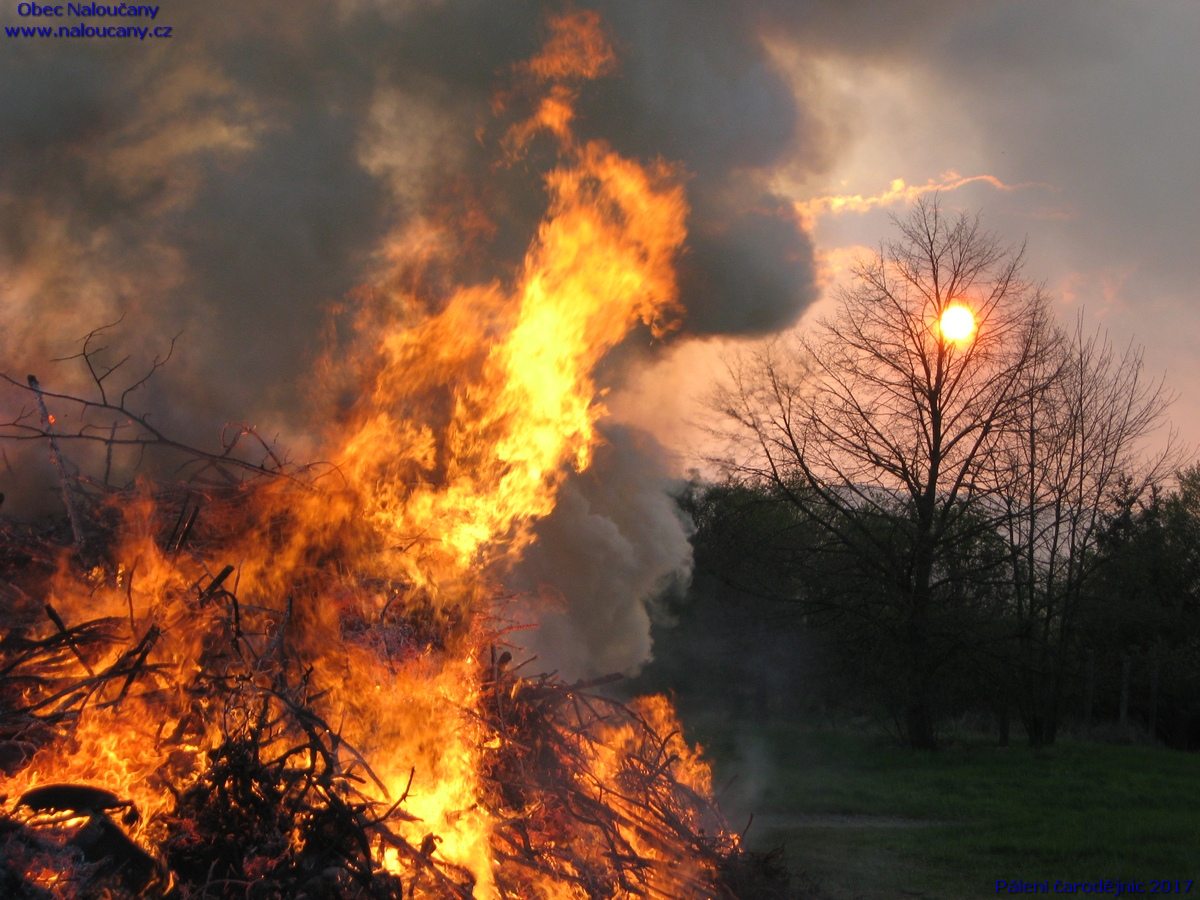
x=614, y=544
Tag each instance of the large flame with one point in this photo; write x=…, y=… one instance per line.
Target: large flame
x=514, y=367
x=469, y=416
x=600, y=263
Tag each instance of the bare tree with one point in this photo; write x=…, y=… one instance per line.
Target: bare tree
x=879, y=416
x=1073, y=462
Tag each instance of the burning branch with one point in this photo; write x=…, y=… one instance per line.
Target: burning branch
x=111, y=422
x=126, y=428
x=56, y=457
x=255, y=785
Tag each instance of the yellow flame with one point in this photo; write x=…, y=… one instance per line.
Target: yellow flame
x=469, y=418
x=512, y=370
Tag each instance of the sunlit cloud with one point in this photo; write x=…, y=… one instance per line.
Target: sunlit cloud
x=900, y=192
x=834, y=264
x=1102, y=291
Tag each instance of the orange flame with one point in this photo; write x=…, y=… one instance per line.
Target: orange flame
x=576, y=48
x=513, y=373
x=514, y=367
x=468, y=420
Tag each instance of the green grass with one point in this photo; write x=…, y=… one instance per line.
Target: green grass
x=962, y=817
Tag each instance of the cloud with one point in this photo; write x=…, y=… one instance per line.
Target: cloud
x=899, y=192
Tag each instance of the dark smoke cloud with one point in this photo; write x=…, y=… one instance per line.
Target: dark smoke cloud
x=697, y=86
x=234, y=182
x=238, y=150
x=694, y=86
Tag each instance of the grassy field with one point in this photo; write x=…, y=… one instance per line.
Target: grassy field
x=863, y=818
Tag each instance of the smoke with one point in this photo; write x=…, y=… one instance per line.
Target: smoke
x=614, y=544
x=698, y=86
x=235, y=182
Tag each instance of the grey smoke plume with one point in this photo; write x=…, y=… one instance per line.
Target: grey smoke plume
x=614, y=544
x=235, y=181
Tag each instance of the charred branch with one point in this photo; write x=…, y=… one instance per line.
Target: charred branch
x=261, y=787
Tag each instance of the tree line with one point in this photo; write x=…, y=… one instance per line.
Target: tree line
x=961, y=520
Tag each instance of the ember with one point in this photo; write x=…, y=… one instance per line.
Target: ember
x=300, y=683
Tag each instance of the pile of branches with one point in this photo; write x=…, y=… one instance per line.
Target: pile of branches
x=588, y=792
x=269, y=799
x=272, y=808
x=266, y=799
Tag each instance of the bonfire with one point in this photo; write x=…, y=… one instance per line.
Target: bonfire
x=258, y=679
x=165, y=729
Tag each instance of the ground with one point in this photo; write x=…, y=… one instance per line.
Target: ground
x=864, y=818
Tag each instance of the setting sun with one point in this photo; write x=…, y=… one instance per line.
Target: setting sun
x=957, y=322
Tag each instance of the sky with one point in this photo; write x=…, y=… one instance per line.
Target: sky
x=1071, y=127
x=234, y=183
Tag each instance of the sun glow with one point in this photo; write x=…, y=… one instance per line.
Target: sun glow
x=957, y=323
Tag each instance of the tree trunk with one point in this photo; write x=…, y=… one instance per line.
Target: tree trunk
x=1152, y=723
x=1126, y=667
x=1036, y=728
x=919, y=714
x=918, y=723
x=1042, y=688
x=1089, y=692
